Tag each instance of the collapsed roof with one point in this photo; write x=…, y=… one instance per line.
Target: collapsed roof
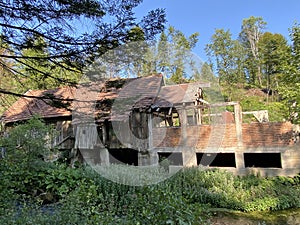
x=112, y=99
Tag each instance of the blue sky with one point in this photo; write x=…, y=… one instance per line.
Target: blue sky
x=204, y=17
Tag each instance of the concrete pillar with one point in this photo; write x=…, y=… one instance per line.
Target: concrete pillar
x=188, y=154
x=189, y=157
x=183, y=124
x=143, y=159
x=238, y=124
x=154, y=158
x=239, y=160
x=149, y=158
x=104, y=135
x=104, y=156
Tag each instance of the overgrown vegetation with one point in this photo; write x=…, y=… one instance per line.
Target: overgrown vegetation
x=81, y=196
x=254, y=99
x=261, y=61
x=52, y=193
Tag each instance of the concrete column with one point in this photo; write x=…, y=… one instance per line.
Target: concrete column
x=188, y=154
x=189, y=157
x=183, y=124
x=239, y=160
x=149, y=158
x=104, y=156
x=143, y=159
x=238, y=124
x=104, y=134
x=154, y=158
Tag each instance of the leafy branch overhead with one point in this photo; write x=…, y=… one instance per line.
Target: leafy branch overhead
x=48, y=42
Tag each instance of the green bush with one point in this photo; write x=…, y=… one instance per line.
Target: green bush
x=52, y=193
x=278, y=111
x=222, y=189
x=84, y=197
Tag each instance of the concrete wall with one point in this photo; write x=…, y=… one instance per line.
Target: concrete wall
x=255, y=138
x=209, y=139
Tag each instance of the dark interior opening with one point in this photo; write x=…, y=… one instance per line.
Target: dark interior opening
x=175, y=158
x=216, y=159
x=265, y=160
x=123, y=156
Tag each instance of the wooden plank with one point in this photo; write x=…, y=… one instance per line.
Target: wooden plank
x=64, y=140
x=86, y=136
x=150, y=132
x=190, y=105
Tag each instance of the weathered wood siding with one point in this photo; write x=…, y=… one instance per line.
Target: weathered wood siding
x=86, y=136
x=62, y=136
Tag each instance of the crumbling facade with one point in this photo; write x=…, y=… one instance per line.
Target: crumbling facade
x=142, y=121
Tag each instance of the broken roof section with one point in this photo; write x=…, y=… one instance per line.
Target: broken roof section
x=90, y=97
x=112, y=99
x=172, y=95
x=139, y=94
x=115, y=99
x=93, y=99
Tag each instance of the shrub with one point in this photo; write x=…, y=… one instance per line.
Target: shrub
x=222, y=189
x=51, y=193
x=27, y=142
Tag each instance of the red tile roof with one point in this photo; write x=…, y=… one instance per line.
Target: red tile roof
x=138, y=94
x=113, y=99
x=25, y=107
x=97, y=95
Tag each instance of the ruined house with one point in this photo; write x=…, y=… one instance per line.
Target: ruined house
x=142, y=121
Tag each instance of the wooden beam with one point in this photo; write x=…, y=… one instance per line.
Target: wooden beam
x=150, y=132
x=64, y=140
x=190, y=105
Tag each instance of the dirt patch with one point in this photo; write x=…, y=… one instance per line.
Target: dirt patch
x=255, y=92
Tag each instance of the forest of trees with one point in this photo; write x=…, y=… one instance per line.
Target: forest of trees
x=259, y=59
x=43, y=45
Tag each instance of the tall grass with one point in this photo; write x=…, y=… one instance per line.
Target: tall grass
x=82, y=196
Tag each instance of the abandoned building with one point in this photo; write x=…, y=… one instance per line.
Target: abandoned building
x=142, y=121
